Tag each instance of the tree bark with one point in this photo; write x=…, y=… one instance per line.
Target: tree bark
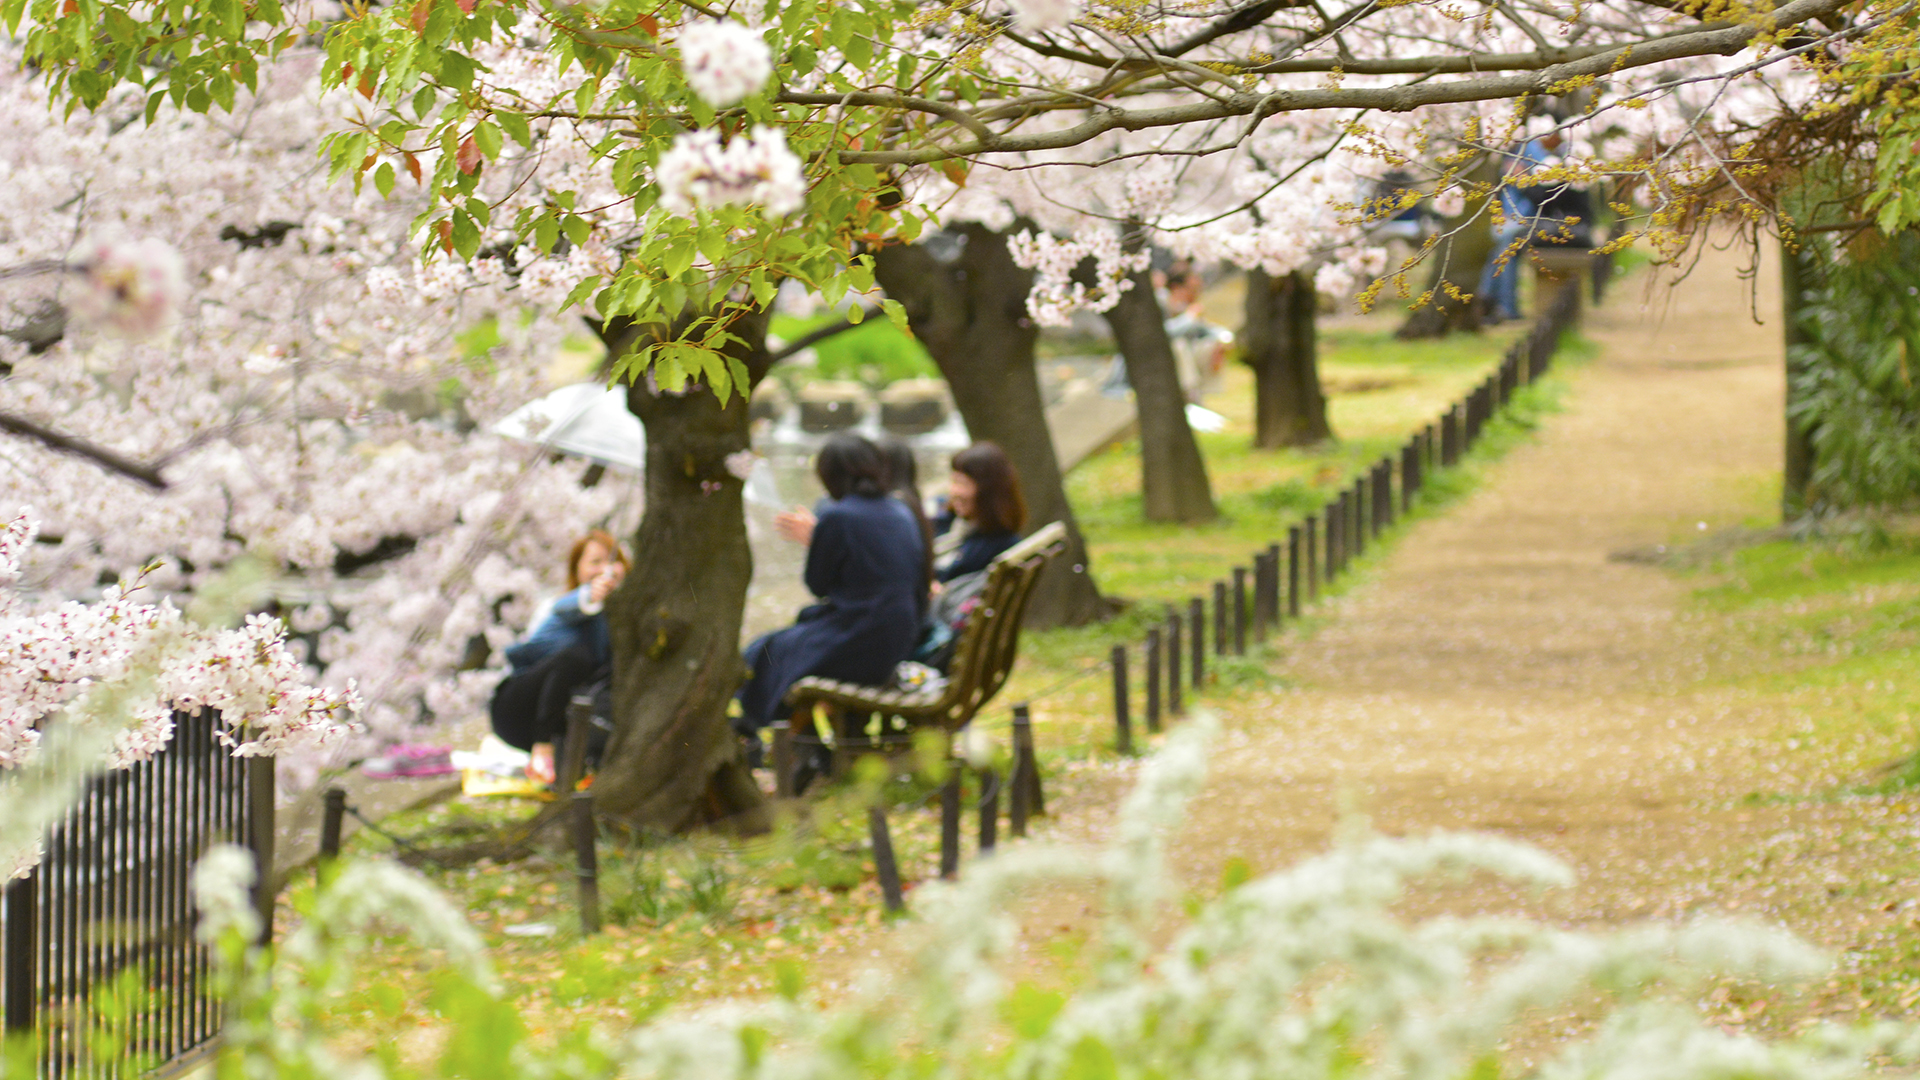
x=1797, y=272
x=971, y=314
x=673, y=763
x=1280, y=343
x=1456, y=262
x=1173, y=475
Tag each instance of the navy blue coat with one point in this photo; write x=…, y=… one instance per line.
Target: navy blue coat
x=864, y=564
x=975, y=553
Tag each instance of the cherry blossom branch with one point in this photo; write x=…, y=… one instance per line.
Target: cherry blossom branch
x=1258, y=106
x=99, y=455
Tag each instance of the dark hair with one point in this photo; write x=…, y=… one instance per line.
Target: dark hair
x=604, y=539
x=998, y=507
x=903, y=475
x=850, y=465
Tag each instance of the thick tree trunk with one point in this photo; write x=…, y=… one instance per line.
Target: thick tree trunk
x=1797, y=271
x=1279, y=342
x=673, y=762
x=971, y=315
x=1173, y=475
x=1455, y=264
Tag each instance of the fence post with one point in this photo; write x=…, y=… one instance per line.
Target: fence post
x=1310, y=531
x=333, y=811
x=989, y=809
x=1239, y=611
x=1220, y=618
x=1409, y=474
x=1026, y=772
x=1293, y=569
x=950, y=821
x=1361, y=492
x=1122, y=719
x=16, y=982
x=586, y=862
x=1174, y=707
x=1197, y=626
x=1274, y=610
x=885, y=867
x=1382, y=496
x=574, y=754
x=782, y=759
x=1153, y=680
x=260, y=836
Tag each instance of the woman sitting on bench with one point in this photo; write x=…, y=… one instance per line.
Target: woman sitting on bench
x=985, y=512
x=566, y=651
x=865, y=561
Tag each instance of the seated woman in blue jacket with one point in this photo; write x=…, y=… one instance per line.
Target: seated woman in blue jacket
x=865, y=561
x=567, y=650
x=984, y=494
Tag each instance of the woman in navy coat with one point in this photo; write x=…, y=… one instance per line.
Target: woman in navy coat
x=865, y=561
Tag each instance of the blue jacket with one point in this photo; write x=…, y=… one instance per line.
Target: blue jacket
x=975, y=553
x=565, y=624
x=864, y=563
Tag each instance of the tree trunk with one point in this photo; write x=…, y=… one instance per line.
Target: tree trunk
x=970, y=313
x=1797, y=272
x=673, y=762
x=1173, y=475
x=1280, y=344
x=1456, y=262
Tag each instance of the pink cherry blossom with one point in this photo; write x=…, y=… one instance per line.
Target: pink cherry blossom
x=723, y=61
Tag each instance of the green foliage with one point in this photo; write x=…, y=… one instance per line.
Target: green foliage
x=658, y=885
x=1855, y=390
x=875, y=353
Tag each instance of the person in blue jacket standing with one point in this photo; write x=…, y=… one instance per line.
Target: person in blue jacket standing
x=865, y=562
x=568, y=649
x=1500, y=280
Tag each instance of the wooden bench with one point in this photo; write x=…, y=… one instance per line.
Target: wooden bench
x=982, y=658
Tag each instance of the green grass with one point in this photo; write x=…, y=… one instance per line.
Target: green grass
x=875, y=353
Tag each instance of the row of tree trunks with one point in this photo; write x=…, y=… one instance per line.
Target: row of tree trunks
x=1279, y=341
x=971, y=315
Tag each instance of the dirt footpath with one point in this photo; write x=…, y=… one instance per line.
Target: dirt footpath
x=1497, y=671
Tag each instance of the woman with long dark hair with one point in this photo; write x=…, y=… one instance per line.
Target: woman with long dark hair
x=865, y=560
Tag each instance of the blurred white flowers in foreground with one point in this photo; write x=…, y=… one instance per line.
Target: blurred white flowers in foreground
x=724, y=62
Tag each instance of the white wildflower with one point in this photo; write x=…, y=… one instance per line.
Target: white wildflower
x=222, y=892
x=724, y=62
x=740, y=463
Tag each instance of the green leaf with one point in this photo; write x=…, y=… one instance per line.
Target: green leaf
x=896, y=313
x=546, y=233
x=581, y=291
x=515, y=125
x=678, y=258
x=466, y=235
x=577, y=228
x=383, y=179
x=487, y=137
x=456, y=70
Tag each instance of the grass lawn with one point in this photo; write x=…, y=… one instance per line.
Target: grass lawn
x=689, y=920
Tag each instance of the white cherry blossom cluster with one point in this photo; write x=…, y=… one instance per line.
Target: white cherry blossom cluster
x=1055, y=295
x=153, y=662
x=723, y=61
x=756, y=169
x=134, y=289
x=1039, y=16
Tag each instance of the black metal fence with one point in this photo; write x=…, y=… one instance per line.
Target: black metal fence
x=1288, y=574
x=110, y=906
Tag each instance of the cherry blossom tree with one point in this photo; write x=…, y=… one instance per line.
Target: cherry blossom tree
x=666, y=167
x=298, y=399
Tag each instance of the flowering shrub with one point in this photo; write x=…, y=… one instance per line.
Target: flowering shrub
x=123, y=667
x=1308, y=972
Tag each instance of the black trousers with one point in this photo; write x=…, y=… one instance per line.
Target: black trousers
x=531, y=706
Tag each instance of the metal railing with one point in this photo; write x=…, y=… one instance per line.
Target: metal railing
x=109, y=906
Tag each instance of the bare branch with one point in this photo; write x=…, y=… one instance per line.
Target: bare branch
x=99, y=455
